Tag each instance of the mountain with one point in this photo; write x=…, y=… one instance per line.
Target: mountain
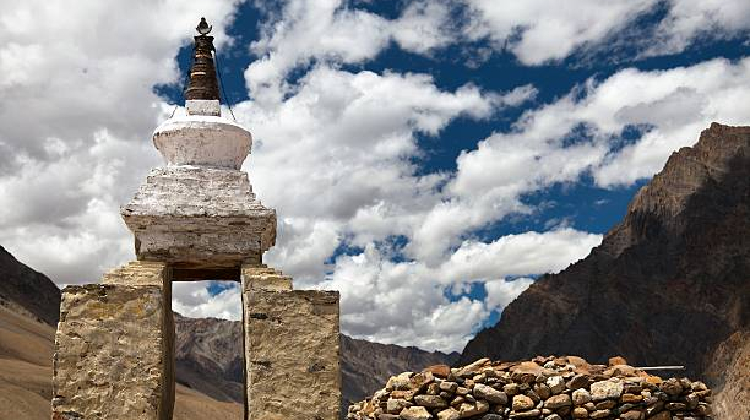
x=668, y=285
x=27, y=290
x=366, y=366
x=29, y=310
x=208, y=356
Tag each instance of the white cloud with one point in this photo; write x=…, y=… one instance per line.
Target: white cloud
x=540, y=31
x=336, y=151
x=690, y=20
x=76, y=120
x=391, y=301
x=537, y=31
x=335, y=158
x=330, y=31
x=192, y=299
x=500, y=293
x=675, y=104
x=526, y=253
x=63, y=213
x=406, y=302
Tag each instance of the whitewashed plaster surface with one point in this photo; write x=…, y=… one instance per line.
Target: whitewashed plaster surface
x=202, y=140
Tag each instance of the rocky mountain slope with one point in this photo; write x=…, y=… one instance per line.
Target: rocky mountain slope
x=366, y=366
x=29, y=291
x=207, y=353
x=668, y=285
x=208, y=357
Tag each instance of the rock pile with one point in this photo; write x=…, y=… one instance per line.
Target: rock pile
x=548, y=388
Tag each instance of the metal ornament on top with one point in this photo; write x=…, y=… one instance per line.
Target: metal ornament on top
x=203, y=82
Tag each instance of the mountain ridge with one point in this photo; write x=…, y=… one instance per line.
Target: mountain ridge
x=668, y=285
x=27, y=289
x=208, y=358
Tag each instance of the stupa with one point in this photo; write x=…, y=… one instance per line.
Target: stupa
x=195, y=218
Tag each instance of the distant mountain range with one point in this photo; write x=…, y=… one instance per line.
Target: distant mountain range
x=208, y=354
x=670, y=285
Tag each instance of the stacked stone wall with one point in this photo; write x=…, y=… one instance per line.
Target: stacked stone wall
x=548, y=388
x=111, y=353
x=292, y=349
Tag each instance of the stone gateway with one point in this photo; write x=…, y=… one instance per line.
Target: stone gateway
x=195, y=218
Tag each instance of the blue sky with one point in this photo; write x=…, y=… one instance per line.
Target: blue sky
x=427, y=159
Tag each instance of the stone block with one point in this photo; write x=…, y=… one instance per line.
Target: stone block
x=140, y=273
x=112, y=357
x=196, y=217
x=146, y=273
x=292, y=354
x=209, y=107
x=261, y=277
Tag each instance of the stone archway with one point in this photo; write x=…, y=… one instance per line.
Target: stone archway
x=114, y=347
x=195, y=218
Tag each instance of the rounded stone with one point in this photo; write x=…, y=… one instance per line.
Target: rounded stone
x=415, y=413
x=202, y=140
x=522, y=403
x=581, y=396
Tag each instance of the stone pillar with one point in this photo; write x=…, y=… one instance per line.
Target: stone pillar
x=292, y=363
x=259, y=276
x=114, y=347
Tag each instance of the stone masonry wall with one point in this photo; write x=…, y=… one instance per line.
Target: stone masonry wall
x=546, y=388
x=292, y=349
x=142, y=273
x=200, y=216
x=110, y=354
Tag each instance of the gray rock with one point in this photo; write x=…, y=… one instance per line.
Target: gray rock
x=603, y=390
x=490, y=394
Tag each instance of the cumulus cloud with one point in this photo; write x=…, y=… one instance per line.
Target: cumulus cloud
x=435, y=214
x=193, y=299
x=535, y=31
x=398, y=302
x=75, y=122
x=336, y=158
x=670, y=107
x=538, y=31
x=691, y=20
x=336, y=150
x=329, y=31
x=543, y=31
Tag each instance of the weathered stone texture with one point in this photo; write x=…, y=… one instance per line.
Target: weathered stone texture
x=203, y=107
x=111, y=355
x=146, y=273
x=262, y=277
x=549, y=388
x=139, y=273
x=292, y=346
x=201, y=217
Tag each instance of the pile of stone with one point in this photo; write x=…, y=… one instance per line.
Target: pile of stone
x=548, y=388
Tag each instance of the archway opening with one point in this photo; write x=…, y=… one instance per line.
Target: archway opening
x=208, y=348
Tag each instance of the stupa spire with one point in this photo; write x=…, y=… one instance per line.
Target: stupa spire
x=203, y=82
x=196, y=218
